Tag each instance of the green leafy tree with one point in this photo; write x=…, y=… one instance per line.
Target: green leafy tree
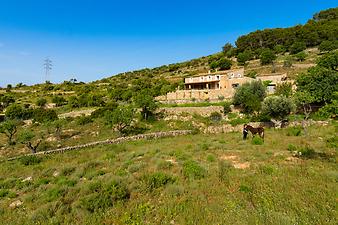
x=147, y=103
x=27, y=137
x=41, y=102
x=224, y=64
x=303, y=100
x=9, y=128
x=277, y=107
x=243, y=57
x=297, y=47
x=327, y=46
x=73, y=102
x=44, y=115
x=120, y=118
x=14, y=111
x=6, y=100
x=227, y=47
x=319, y=82
x=59, y=100
x=249, y=96
x=284, y=89
x=329, y=61
x=267, y=57
x=301, y=56
x=252, y=74
x=279, y=49
x=213, y=65
x=9, y=88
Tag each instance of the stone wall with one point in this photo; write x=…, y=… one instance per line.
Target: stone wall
x=203, y=111
x=156, y=135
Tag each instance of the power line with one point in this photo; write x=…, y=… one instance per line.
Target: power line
x=48, y=67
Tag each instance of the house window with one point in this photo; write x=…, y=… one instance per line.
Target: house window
x=236, y=85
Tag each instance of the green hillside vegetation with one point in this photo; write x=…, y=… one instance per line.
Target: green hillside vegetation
x=189, y=180
x=288, y=178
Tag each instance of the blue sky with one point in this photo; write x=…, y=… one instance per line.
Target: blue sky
x=92, y=39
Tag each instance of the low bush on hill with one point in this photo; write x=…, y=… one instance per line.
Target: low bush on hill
x=103, y=196
x=157, y=180
x=257, y=140
x=192, y=170
x=294, y=131
x=30, y=160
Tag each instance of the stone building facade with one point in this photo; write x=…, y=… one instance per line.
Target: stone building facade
x=215, y=86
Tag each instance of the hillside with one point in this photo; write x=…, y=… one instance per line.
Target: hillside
x=104, y=152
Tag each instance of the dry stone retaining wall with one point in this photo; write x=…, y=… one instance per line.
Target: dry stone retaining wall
x=156, y=135
x=203, y=111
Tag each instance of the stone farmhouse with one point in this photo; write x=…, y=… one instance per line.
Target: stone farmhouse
x=216, y=86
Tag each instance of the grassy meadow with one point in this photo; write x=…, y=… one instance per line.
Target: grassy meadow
x=195, y=179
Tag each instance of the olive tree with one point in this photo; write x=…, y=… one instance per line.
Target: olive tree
x=120, y=118
x=303, y=100
x=9, y=128
x=277, y=107
x=27, y=138
x=147, y=103
x=249, y=96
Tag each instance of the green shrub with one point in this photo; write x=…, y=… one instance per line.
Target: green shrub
x=294, y=131
x=54, y=193
x=292, y=148
x=211, y=158
x=252, y=74
x=42, y=115
x=192, y=169
x=267, y=169
x=9, y=183
x=30, y=160
x=136, y=167
x=332, y=142
x=226, y=107
x=307, y=152
x=157, y=180
x=59, y=100
x=104, y=196
x=204, y=146
x=42, y=181
x=215, y=117
x=66, y=182
x=329, y=110
x=245, y=188
x=4, y=193
x=67, y=171
x=83, y=120
x=257, y=140
x=41, y=102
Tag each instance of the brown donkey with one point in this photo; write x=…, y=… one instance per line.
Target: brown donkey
x=254, y=131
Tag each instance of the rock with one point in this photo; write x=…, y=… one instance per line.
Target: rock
x=27, y=179
x=15, y=204
x=76, y=137
x=55, y=174
x=51, y=139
